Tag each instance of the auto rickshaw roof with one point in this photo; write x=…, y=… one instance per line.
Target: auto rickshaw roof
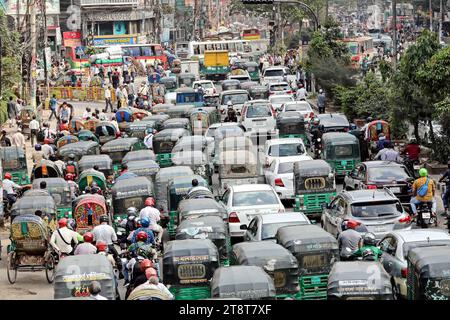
x=142, y=164
x=178, y=181
x=173, y=134
x=131, y=184
x=249, y=84
x=190, y=247
x=431, y=262
x=250, y=64
x=192, y=140
x=248, y=282
x=237, y=157
x=339, y=137
x=11, y=153
x=125, y=143
x=142, y=124
x=84, y=132
x=231, y=82
x=202, y=204
x=103, y=161
x=92, y=172
x=158, y=117
x=236, y=143
x=290, y=116
x=186, y=75
x=168, y=79
x=49, y=164
x=206, y=110
x=77, y=147
x=93, y=265
x=51, y=182
x=36, y=192
x=305, y=238
x=195, y=228
x=34, y=203
x=165, y=174
x=259, y=88
x=183, y=121
x=105, y=123
x=138, y=155
x=189, y=158
x=310, y=168
x=264, y=254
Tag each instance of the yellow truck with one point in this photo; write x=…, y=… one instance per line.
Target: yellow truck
x=216, y=64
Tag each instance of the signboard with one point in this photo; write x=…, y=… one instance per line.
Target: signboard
x=118, y=16
x=58, y=36
x=52, y=7
x=48, y=58
x=72, y=38
x=79, y=51
x=108, y=40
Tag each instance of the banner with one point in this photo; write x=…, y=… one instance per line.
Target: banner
x=52, y=7
x=58, y=36
x=72, y=38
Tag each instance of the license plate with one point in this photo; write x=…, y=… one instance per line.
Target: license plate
x=426, y=215
x=379, y=229
x=395, y=189
x=315, y=280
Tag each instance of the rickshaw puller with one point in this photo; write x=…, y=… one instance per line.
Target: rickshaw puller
x=9, y=186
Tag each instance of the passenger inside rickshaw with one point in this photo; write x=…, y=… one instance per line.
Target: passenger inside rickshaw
x=343, y=151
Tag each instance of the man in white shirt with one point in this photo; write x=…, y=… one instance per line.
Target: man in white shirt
x=34, y=129
x=301, y=93
x=47, y=151
x=153, y=214
x=9, y=186
x=148, y=140
x=18, y=139
x=108, y=99
x=63, y=237
x=153, y=283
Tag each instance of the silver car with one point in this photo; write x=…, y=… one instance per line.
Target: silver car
x=396, y=245
x=265, y=226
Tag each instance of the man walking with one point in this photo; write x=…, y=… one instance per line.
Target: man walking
x=108, y=98
x=34, y=129
x=321, y=101
x=53, y=105
x=12, y=111
x=18, y=139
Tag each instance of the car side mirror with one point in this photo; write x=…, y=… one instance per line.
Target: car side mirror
x=218, y=198
x=243, y=227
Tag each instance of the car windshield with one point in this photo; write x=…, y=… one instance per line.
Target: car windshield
x=342, y=151
x=205, y=85
x=286, y=150
x=390, y=173
x=237, y=98
x=281, y=99
x=376, y=209
x=286, y=167
x=297, y=107
x=269, y=230
x=279, y=87
x=407, y=246
x=274, y=73
x=254, y=198
x=258, y=111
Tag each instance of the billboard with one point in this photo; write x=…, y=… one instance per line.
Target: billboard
x=52, y=7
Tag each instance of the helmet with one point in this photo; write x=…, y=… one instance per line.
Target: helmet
x=94, y=184
x=351, y=224
x=145, y=222
x=423, y=172
x=149, y=130
x=320, y=90
x=151, y=272
x=37, y=147
x=229, y=104
x=62, y=222
x=88, y=237
x=413, y=140
x=150, y=202
x=101, y=246
x=71, y=224
x=141, y=236
x=368, y=255
x=316, y=120
x=8, y=176
x=70, y=176
x=71, y=156
x=104, y=218
x=369, y=119
x=145, y=251
x=369, y=239
x=145, y=264
x=131, y=211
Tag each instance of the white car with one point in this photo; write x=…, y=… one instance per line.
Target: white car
x=286, y=147
x=170, y=97
x=207, y=85
x=278, y=100
x=274, y=74
x=210, y=132
x=265, y=226
x=279, y=88
x=396, y=245
x=300, y=106
x=237, y=97
x=245, y=76
x=280, y=175
x=244, y=202
x=258, y=115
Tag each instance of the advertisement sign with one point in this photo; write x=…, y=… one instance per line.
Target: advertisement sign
x=52, y=7
x=108, y=40
x=72, y=38
x=58, y=36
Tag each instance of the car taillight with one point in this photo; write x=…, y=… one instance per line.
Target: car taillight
x=371, y=187
x=406, y=219
x=346, y=129
x=404, y=272
x=274, y=114
x=279, y=182
x=233, y=218
x=290, y=92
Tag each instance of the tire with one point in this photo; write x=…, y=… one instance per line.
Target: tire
x=50, y=269
x=11, y=267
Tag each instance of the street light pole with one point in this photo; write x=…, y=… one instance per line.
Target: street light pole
x=394, y=36
x=431, y=16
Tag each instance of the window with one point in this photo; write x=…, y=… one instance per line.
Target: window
x=298, y=107
x=274, y=73
x=388, y=245
x=147, y=51
x=105, y=28
x=131, y=51
x=286, y=150
x=343, y=151
x=254, y=198
x=253, y=227
x=238, y=98
x=376, y=209
x=388, y=173
x=260, y=111
x=286, y=167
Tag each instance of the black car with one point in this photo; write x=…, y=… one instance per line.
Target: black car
x=333, y=122
x=380, y=174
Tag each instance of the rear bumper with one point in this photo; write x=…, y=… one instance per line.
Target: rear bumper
x=235, y=231
x=285, y=193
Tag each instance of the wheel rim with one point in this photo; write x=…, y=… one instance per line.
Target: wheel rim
x=11, y=268
x=50, y=269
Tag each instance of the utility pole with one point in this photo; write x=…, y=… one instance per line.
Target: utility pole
x=394, y=37
x=44, y=13
x=441, y=18
x=431, y=16
x=33, y=55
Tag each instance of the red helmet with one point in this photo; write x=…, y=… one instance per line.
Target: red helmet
x=70, y=176
x=352, y=224
x=101, y=246
x=151, y=272
x=145, y=264
x=88, y=237
x=150, y=202
x=62, y=222
x=8, y=176
x=141, y=236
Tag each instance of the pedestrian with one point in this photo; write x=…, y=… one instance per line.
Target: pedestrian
x=12, y=111
x=18, y=139
x=53, y=105
x=73, y=79
x=115, y=78
x=34, y=129
x=64, y=113
x=321, y=101
x=5, y=141
x=87, y=113
x=119, y=97
x=108, y=98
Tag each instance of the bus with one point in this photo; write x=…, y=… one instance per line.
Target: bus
x=143, y=52
x=75, y=61
x=198, y=48
x=251, y=34
x=360, y=47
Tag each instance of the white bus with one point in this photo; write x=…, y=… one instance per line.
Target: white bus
x=234, y=47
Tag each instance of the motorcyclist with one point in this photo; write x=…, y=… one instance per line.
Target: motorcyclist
x=95, y=189
x=301, y=93
x=388, y=153
x=38, y=155
x=446, y=177
x=231, y=113
x=316, y=133
x=349, y=239
x=145, y=227
x=412, y=150
x=102, y=249
x=141, y=239
x=369, y=243
x=148, y=140
x=153, y=214
x=86, y=247
x=428, y=196
x=9, y=188
x=138, y=274
x=153, y=283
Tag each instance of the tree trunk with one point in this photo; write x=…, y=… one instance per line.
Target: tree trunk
x=432, y=138
x=416, y=130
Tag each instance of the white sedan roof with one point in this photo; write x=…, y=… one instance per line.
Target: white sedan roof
x=251, y=187
x=284, y=217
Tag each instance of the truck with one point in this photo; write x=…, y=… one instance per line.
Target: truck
x=216, y=65
x=190, y=66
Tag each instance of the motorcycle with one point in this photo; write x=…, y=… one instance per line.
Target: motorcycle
x=412, y=165
x=316, y=147
x=425, y=217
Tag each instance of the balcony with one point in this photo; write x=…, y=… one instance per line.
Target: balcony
x=110, y=3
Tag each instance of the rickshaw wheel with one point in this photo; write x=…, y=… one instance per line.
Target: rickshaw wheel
x=50, y=268
x=11, y=267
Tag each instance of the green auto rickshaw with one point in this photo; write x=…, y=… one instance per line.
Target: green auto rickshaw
x=60, y=191
x=174, y=123
x=14, y=161
x=117, y=149
x=253, y=70
x=202, y=118
x=316, y=251
x=128, y=193
x=180, y=111
x=169, y=83
x=160, y=108
x=163, y=143
x=102, y=161
x=138, y=129
x=277, y=261
x=138, y=155
x=158, y=118
x=79, y=149
x=291, y=124
x=90, y=175
x=105, y=131
x=87, y=135
x=188, y=266
x=314, y=186
x=341, y=151
x=428, y=277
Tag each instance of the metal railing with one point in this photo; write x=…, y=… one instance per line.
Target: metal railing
x=108, y=2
